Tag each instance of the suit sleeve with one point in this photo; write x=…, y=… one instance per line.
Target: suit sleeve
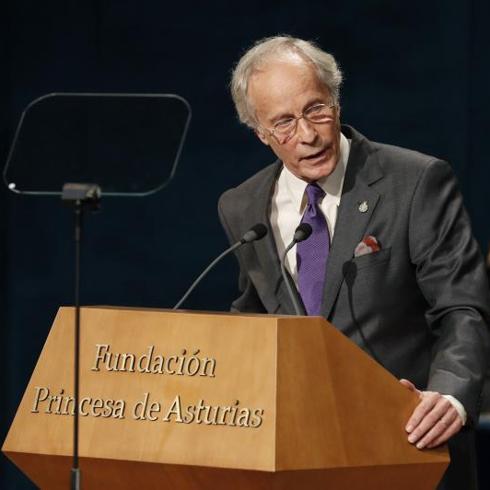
x=248, y=301
x=452, y=277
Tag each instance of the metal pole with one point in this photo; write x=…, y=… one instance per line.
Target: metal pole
x=75, y=472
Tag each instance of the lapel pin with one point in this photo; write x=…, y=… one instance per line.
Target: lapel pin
x=363, y=206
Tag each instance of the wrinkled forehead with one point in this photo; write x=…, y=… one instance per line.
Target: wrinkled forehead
x=275, y=59
x=285, y=80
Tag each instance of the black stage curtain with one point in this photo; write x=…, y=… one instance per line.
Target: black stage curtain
x=416, y=75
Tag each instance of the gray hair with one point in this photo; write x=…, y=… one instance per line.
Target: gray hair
x=278, y=47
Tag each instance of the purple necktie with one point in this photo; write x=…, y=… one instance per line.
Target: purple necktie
x=312, y=254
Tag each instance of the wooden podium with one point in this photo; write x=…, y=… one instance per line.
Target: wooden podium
x=190, y=400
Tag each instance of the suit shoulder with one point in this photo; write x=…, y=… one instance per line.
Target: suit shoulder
x=390, y=157
x=406, y=170
x=245, y=192
x=393, y=157
x=410, y=164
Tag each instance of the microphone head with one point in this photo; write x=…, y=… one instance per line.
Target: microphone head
x=257, y=232
x=302, y=232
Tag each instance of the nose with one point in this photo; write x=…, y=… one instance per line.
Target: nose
x=306, y=131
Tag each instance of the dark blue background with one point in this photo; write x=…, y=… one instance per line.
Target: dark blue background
x=416, y=75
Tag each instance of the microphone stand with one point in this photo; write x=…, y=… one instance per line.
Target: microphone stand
x=81, y=197
x=208, y=268
x=302, y=232
x=297, y=308
x=257, y=232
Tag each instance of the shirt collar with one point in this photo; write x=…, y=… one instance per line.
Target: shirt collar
x=332, y=185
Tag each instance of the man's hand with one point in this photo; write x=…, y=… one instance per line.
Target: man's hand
x=433, y=421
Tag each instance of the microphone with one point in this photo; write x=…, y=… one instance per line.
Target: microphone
x=257, y=232
x=302, y=232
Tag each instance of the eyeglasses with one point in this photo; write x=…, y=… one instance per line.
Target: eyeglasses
x=284, y=129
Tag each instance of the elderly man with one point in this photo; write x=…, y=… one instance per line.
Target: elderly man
x=391, y=261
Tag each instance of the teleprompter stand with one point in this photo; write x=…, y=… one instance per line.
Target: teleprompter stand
x=81, y=197
x=112, y=139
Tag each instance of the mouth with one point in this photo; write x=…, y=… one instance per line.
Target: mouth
x=319, y=155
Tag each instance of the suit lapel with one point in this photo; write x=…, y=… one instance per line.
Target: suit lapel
x=352, y=220
x=266, y=248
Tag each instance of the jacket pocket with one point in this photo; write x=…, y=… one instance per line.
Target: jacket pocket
x=371, y=259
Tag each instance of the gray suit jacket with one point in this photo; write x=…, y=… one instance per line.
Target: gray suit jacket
x=420, y=305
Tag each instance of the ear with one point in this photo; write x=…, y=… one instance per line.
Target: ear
x=262, y=136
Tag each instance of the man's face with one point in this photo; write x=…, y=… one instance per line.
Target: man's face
x=286, y=89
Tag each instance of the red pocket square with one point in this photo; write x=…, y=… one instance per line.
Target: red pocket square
x=367, y=245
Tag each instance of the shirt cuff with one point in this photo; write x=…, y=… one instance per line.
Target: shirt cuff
x=458, y=406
